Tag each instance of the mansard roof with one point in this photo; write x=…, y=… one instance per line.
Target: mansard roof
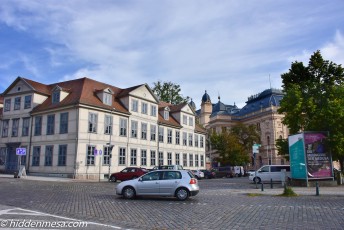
x=267, y=98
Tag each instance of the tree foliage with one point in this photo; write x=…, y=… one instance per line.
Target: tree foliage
x=234, y=146
x=314, y=100
x=169, y=92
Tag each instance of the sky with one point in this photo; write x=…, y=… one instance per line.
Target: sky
x=232, y=49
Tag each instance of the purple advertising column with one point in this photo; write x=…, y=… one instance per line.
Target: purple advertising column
x=318, y=156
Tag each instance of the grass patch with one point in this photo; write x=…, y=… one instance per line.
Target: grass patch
x=288, y=192
x=254, y=194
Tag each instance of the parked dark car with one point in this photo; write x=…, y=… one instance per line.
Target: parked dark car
x=128, y=174
x=208, y=174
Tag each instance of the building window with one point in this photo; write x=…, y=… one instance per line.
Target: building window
x=161, y=134
x=17, y=101
x=27, y=102
x=123, y=127
x=143, y=157
x=268, y=140
x=92, y=122
x=62, y=158
x=196, y=160
x=177, y=159
x=169, y=158
x=56, y=97
x=177, y=137
x=169, y=136
x=144, y=108
x=51, y=124
x=185, y=120
x=201, y=142
x=49, y=155
x=191, y=160
x=153, y=132
x=5, y=124
x=152, y=158
x=185, y=160
x=134, y=105
x=134, y=129
x=7, y=105
x=122, y=154
x=3, y=151
x=190, y=139
x=191, y=121
x=185, y=138
x=144, y=131
x=202, y=161
x=106, y=156
x=90, y=154
x=63, y=123
x=38, y=125
x=26, y=126
x=107, y=99
x=161, y=158
x=166, y=115
x=196, y=140
x=108, y=124
x=133, y=156
x=153, y=110
x=15, y=127
x=35, y=155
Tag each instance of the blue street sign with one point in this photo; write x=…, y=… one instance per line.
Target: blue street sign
x=21, y=151
x=95, y=152
x=100, y=152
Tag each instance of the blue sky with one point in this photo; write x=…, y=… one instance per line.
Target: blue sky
x=229, y=48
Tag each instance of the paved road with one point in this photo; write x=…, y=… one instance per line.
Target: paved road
x=221, y=204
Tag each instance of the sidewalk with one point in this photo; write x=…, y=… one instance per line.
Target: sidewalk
x=46, y=178
x=301, y=191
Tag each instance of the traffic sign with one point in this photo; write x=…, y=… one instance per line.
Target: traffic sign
x=21, y=151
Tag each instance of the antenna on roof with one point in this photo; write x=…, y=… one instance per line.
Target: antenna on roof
x=270, y=81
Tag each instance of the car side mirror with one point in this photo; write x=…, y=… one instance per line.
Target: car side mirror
x=140, y=179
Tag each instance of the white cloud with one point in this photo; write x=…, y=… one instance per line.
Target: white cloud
x=224, y=47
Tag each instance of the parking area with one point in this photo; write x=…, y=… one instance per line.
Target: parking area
x=226, y=203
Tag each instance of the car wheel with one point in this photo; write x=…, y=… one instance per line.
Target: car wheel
x=257, y=180
x=129, y=193
x=113, y=179
x=182, y=194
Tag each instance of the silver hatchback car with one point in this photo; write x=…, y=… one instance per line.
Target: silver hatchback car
x=175, y=183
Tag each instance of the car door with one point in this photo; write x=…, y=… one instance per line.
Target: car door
x=169, y=182
x=149, y=184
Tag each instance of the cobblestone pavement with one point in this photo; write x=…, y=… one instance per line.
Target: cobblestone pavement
x=221, y=204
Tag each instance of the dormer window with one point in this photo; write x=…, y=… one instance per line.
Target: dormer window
x=105, y=95
x=56, y=97
x=107, y=99
x=167, y=113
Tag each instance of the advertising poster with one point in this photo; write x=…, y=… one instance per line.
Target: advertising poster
x=319, y=160
x=297, y=159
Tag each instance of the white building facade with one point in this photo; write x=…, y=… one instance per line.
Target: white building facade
x=87, y=129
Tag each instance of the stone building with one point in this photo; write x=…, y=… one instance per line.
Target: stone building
x=260, y=110
x=88, y=129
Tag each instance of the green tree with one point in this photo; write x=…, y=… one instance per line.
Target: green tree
x=314, y=100
x=247, y=135
x=234, y=146
x=283, y=148
x=169, y=92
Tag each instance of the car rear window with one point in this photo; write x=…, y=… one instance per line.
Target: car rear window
x=191, y=175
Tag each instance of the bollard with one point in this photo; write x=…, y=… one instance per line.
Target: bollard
x=271, y=186
x=262, y=188
x=316, y=188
